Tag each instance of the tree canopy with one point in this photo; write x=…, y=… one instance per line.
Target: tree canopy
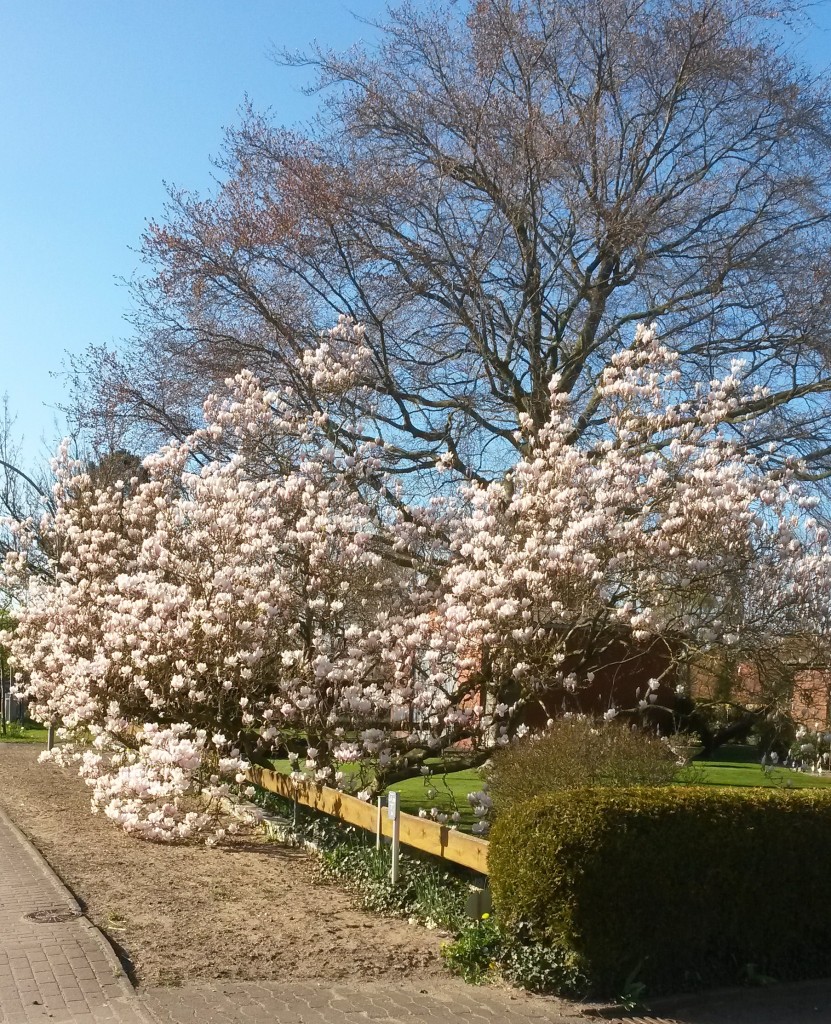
x=500, y=190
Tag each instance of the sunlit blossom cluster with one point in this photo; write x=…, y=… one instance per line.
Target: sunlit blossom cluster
x=668, y=525
x=261, y=584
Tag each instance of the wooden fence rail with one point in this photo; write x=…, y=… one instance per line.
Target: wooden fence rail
x=420, y=833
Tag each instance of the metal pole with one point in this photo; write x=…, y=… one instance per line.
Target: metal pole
x=396, y=825
x=394, y=813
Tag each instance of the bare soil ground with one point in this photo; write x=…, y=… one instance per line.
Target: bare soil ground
x=250, y=910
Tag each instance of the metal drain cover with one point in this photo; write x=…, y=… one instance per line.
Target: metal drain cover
x=52, y=916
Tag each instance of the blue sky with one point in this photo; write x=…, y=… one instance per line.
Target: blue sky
x=101, y=101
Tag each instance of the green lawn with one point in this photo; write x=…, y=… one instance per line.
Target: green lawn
x=446, y=792
x=741, y=766
x=29, y=733
x=731, y=766
x=450, y=790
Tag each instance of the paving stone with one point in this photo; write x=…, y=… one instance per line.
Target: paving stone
x=396, y=1002
x=61, y=972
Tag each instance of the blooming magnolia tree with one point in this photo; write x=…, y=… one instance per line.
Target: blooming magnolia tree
x=263, y=586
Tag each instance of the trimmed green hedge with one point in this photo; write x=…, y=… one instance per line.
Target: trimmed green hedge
x=676, y=888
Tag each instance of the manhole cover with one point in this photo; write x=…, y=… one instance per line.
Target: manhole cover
x=52, y=916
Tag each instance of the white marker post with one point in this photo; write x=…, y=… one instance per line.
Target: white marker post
x=394, y=814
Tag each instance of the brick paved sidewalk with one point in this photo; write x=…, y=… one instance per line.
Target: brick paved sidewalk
x=394, y=1002
x=400, y=1002
x=57, y=967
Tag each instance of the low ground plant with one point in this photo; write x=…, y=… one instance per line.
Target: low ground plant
x=486, y=951
x=426, y=893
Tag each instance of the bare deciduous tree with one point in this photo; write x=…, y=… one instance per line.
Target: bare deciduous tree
x=21, y=491
x=500, y=191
